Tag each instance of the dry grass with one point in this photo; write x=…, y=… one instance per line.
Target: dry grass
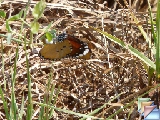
x=85, y=85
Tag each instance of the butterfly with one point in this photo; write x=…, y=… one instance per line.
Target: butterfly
x=66, y=46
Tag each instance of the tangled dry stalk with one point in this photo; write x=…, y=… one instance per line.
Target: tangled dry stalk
x=85, y=85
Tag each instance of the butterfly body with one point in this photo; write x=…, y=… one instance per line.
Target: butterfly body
x=64, y=47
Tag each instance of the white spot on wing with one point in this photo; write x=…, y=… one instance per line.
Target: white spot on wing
x=86, y=46
x=80, y=55
x=86, y=51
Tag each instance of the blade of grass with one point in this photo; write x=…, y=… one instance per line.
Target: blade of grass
x=22, y=108
x=13, y=99
x=68, y=111
x=3, y=65
x=24, y=16
x=1, y=91
x=100, y=108
x=55, y=99
x=141, y=56
x=41, y=113
x=41, y=36
x=4, y=104
x=48, y=112
x=130, y=112
x=140, y=27
x=109, y=36
x=158, y=40
x=133, y=51
x=50, y=95
x=29, y=105
x=14, y=39
x=150, y=70
x=152, y=24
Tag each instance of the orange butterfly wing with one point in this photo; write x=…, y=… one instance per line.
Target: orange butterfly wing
x=69, y=47
x=78, y=48
x=56, y=51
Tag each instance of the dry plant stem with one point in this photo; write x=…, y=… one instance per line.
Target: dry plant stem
x=107, y=70
x=52, y=26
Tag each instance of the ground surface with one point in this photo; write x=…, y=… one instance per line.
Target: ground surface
x=85, y=85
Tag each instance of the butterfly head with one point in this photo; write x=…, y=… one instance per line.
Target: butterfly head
x=60, y=38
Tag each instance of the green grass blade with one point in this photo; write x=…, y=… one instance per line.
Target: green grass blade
x=140, y=27
x=55, y=99
x=68, y=111
x=41, y=113
x=22, y=108
x=133, y=51
x=158, y=40
x=109, y=36
x=152, y=24
x=14, y=39
x=100, y=108
x=50, y=95
x=2, y=47
x=29, y=105
x=13, y=99
x=4, y=104
x=141, y=56
x=2, y=14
